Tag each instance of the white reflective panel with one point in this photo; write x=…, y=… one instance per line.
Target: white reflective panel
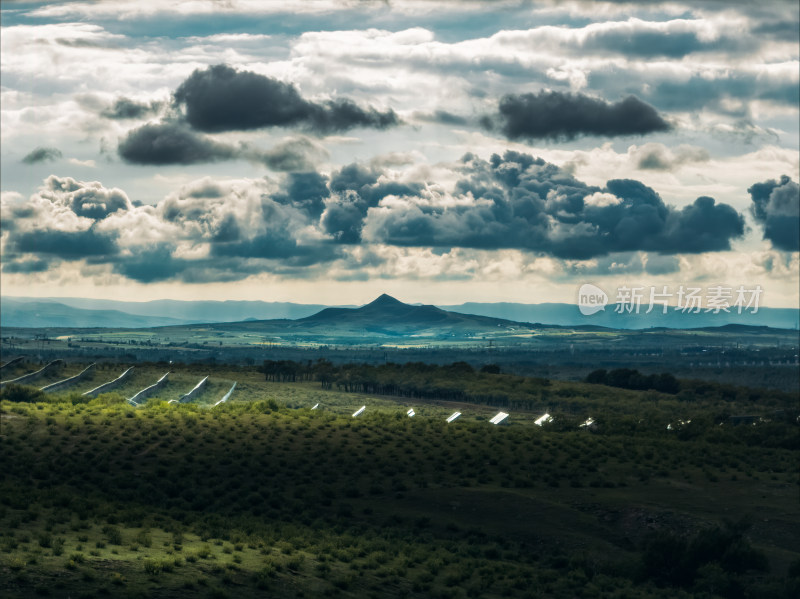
x=147, y=391
x=453, y=416
x=226, y=396
x=589, y=422
x=315, y=406
x=110, y=384
x=499, y=417
x=359, y=411
x=411, y=412
x=542, y=419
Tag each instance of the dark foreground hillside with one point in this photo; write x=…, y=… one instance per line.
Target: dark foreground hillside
x=101, y=499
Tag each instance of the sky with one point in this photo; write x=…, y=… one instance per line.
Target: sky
x=323, y=151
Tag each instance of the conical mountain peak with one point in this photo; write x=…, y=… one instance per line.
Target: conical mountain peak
x=385, y=301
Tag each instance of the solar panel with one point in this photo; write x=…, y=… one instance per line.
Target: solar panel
x=109, y=385
x=453, y=416
x=147, y=391
x=226, y=396
x=499, y=417
x=69, y=381
x=32, y=375
x=543, y=419
x=198, y=388
x=410, y=412
x=359, y=411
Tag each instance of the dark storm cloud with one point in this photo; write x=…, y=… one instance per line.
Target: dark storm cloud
x=525, y=203
x=703, y=226
x=170, y=143
x=68, y=245
x=306, y=191
x=219, y=98
x=151, y=264
x=273, y=245
x=175, y=143
x=42, y=154
x=125, y=108
x=229, y=230
x=26, y=266
x=776, y=206
x=559, y=115
x=357, y=188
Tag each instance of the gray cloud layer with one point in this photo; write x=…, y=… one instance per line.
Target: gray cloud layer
x=558, y=115
x=644, y=40
x=223, y=231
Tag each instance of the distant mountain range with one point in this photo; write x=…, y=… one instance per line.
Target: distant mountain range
x=570, y=315
x=84, y=312
x=90, y=313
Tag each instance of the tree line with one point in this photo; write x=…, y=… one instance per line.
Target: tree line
x=627, y=378
x=458, y=381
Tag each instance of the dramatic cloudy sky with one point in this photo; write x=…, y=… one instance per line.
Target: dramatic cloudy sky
x=328, y=151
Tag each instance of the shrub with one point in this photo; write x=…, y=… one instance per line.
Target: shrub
x=673, y=560
x=22, y=393
x=113, y=535
x=153, y=567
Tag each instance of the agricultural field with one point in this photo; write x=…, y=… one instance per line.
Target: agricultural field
x=264, y=496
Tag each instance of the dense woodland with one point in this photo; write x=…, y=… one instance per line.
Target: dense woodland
x=264, y=495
